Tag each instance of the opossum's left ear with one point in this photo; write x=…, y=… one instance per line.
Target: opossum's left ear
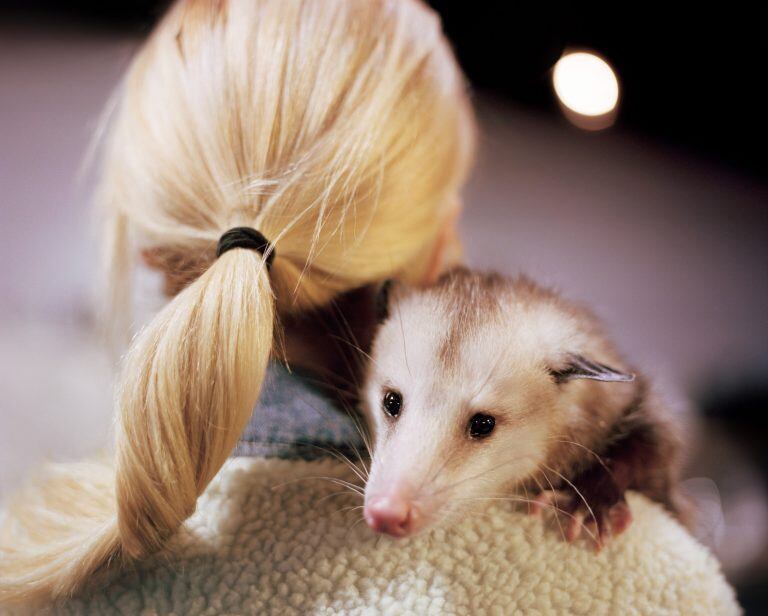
x=387, y=295
x=579, y=367
x=383, y=297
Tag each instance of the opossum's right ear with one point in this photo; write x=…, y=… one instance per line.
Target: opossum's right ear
x=580, y=367
x=383, y=298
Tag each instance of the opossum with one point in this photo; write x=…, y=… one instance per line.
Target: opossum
x=484, y=387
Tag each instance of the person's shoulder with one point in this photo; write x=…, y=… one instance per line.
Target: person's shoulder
x=284, y=536
x=654, y=567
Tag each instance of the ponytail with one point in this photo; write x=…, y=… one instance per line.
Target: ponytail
x=340, y=129
x=189, y=385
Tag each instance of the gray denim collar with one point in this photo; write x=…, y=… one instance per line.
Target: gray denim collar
x=295, y=419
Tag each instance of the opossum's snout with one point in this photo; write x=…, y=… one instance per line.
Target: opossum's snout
x=392, y=513
x=394, y=507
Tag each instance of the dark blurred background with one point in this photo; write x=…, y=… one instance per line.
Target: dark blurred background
x=657, y=216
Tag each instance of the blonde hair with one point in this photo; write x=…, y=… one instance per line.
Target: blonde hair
x=342, y=132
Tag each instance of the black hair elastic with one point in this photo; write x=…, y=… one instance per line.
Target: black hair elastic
x=246, y=237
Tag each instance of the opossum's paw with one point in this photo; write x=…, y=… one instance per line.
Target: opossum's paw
x=577, y=515
x=600, y=521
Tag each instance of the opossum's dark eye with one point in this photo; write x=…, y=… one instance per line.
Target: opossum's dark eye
x=392, y=402
x=481, y=425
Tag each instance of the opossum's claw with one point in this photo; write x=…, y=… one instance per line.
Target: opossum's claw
x=620, y=517
x=609, y=521
x=600, y=521
x=574, y=527
x=542, y=500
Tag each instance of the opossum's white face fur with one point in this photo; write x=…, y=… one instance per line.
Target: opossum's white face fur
x=461, y=396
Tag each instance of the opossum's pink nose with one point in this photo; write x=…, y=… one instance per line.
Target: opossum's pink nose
x=390, y=514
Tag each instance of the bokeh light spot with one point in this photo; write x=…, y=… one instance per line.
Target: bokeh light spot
x=585, y=84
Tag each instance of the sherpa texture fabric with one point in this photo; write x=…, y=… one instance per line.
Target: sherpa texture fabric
x=270, y=537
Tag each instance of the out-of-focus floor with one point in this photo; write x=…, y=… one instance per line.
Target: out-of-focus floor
x=670, y=250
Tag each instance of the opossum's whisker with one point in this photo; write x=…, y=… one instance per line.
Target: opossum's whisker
x=355, y=488
x=326, y=383
x=471, y=477
x=344, y=511
x=358, y=472
x=343, y=321
x=513, y=499
x=477, y=475
x=355, y=523
x=345, y=492
x=491, y=372
x=366, y=443
x=557, y=510
x=336, y=453
x=559, y=525
x=341, y=457
x=355, y=520
x=402, y=333
x=575, y=489
x=364, y=467
x=350, y=413
x=525, y=487
x=436, y=475
x=361, y=431
x=537, y=482
x=571, y=515
x=351, y=368
x=351, y=508
x=328, y=450
x=355, y=347
x=584, y=447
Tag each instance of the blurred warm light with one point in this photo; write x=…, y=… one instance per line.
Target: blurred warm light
x=587, y=89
